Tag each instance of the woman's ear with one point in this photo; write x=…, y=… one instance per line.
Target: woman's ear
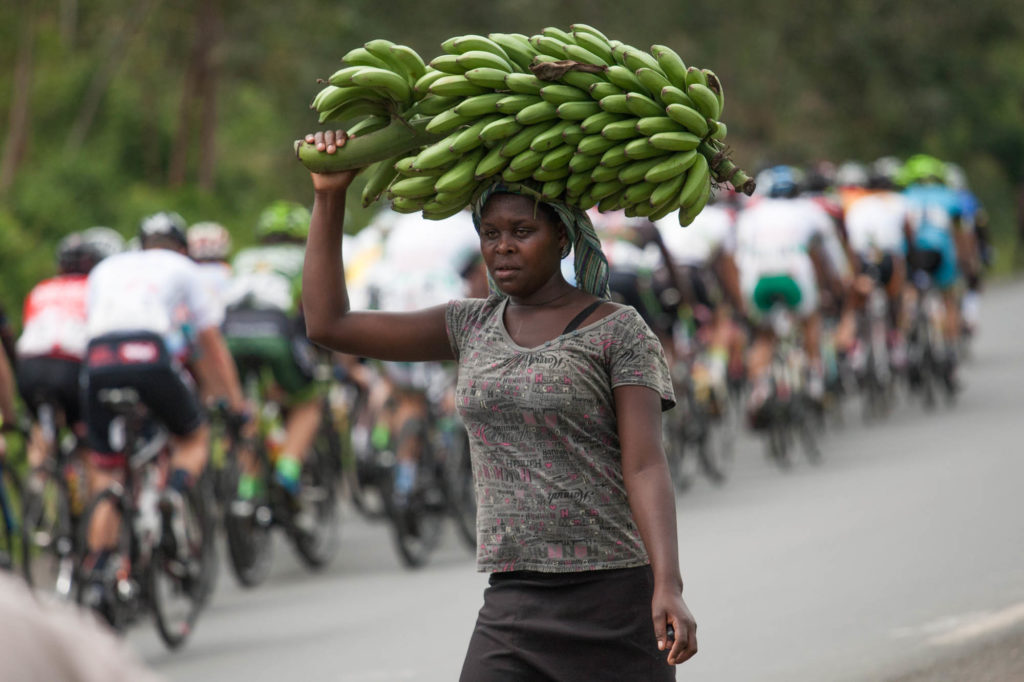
x=563, y=241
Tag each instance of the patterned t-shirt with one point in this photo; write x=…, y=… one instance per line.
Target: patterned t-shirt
x=543, y=436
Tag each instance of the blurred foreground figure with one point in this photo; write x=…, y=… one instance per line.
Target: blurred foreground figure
x=46, y=641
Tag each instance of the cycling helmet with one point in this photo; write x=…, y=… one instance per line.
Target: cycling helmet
x=956, y=178
x=209, y=241
x=780, y=182
x=103, y=241
x=284, y=219
x=852, y=174
x=922, y=168
x=883, y=171
x=820, y=176
x=166, y=224
x=73, y=257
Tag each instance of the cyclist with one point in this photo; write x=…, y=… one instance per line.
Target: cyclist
x=975, y=221
x=209, y=244
x=147, y=314
x=781, y=255
x=940, y=246
x=264, y=327
x=54, y=336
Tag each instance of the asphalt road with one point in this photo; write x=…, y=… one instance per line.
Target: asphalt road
x=900, y=557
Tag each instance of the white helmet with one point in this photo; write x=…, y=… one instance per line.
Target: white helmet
x=208, y=241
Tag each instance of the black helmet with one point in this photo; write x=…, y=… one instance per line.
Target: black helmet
x=74, y=257
x=165, y=224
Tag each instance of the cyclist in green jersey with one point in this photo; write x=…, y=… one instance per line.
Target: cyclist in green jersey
x=264, y=327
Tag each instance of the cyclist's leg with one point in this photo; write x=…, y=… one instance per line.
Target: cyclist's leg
x=292, y=365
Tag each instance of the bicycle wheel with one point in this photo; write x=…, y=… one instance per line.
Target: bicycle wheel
x=718, y=444
x=247, y=524
x=177, y=578
x=98, y=588
x=48, y=548
x=10, y=505
x=314, y=528
x=682, y=467
x=460, y=485
x=806, y=429
x=417, y=520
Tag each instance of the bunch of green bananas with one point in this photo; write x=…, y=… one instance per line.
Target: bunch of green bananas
x=592, y=121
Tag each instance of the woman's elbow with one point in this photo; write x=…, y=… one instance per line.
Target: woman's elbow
x=319, y=331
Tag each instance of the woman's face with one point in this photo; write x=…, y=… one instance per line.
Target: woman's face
x=521, y=244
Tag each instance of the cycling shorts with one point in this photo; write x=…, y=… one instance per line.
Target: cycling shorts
x=137, y=360
x=51, y=380
x=880, y=270
x=265, y=339
x=934, y=252
x=795, y=285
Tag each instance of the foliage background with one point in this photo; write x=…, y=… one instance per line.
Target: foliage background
x=113, y=109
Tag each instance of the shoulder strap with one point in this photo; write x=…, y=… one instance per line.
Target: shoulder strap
x=575, y=322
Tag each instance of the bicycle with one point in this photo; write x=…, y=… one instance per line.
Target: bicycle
x=52, y=508
x=871, y=362
x=929, y=365
x=310, y=519
x=164, y=558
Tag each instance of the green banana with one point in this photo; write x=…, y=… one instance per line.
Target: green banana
x=615, y=104
x=469, y=137
x=388, y=82
x=689, y=118
x=337, y=96
x=432, y=105
x=695, y=75
x=475, y=43
x=513, y=104
x=715, y=84
x=671, y=64
x=381, y=49
x=434, y=210
x=479, y=105
x=461, y=175
x=492, y=164
x=517, y=47
x=636, y=171
x=360, y=56
x=705, y=99
x=601, y=190
x=449, y=63
x=577, y=183
x=675, y=142
x=641, y=148
x=653, y=80
x=487, y=78
x=556, y=158
x=673, y=95
x=596, y=122
x=524, y=83
x=412, y=188
x=504, y=127
x=668, y=190
x=456, y=86
x=639, y=209
x=378, y=177
x=634, y=58
x=620, y=130
x=615, y=156
x=446, y=122
x=603, y=89
x=594, y=144
x=624, y=79
x=353, y=109
x=552, y=189
x=640, y=191
x=460, y=197
x=527, y=160
x=405, y=167
x=581, y=163
x=476, y=59
x=581, y=79
x=405, y=205
x=586, y=28
x=411, y=62
x=605, y=173
x=611, y=203
x=436, y=155
x=586, y=201
x=577, y=111
x=537, y=113
x=573, y=134
x=583, y=55
x=595, y=45
x=519, y=144
x=663, y=210
x=557, y=34
x=549, y=46
x=559, y=94
x=641, y=105
x=651, y=125
x=550, y=138
x=510, y=175
x=671, y=167
x=368, y=125
x=342, y=78
x=422, y=86
x=698, y=177
x=720, y=131
x=541, y=174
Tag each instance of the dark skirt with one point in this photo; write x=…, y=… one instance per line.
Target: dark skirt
x=591, y=625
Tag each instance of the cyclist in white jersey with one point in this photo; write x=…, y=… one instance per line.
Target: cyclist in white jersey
x=209, y=245
x=780, y=253
x=148, y=314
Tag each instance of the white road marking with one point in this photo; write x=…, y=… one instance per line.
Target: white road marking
x=954, y=630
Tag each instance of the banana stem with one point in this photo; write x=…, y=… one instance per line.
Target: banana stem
x=398, y=137
x=724, y=170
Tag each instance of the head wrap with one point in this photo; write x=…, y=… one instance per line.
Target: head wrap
x=590, y=263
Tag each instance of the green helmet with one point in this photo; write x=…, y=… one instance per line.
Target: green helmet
x=285, y=219
x=922, y=168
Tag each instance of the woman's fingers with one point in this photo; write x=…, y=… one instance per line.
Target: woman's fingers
x=685, y=645
x=328, y=141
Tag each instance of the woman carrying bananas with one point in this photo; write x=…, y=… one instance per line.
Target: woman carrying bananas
x=561, y=391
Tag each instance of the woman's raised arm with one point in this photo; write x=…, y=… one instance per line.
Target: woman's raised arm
x=407, y=336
